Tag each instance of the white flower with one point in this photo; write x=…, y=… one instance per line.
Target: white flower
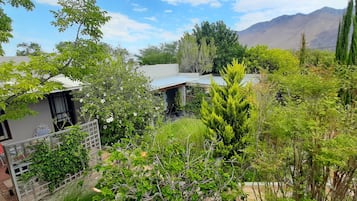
x=87, y=95
x=121, y=88
x=157, y=108
x=105, y=127
x=104, y=94
x=102, y=101
x=81, y=100
x=135, y=114
x=110, y=119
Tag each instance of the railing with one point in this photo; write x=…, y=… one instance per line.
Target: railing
x=18, y=153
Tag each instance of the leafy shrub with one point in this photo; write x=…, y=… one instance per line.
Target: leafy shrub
x=120, y=98
x=52, y=165
x=172, y=172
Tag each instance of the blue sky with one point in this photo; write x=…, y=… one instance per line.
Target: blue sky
x=136, y=24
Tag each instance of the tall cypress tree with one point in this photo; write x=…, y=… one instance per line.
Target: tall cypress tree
x=343, y=40
x=352, y=57
x=302, y=53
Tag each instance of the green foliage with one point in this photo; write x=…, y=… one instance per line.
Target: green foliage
x=5, y=21
x=84, y=14
x=70, y=156
x=194, y=97
x=305, y=140
x=343, y=38
x=172, y=172
x=181, y=131
x=302, y=52
x=32, y=49
x=120, y=98
x=224, y=39
x=196, y=57
x=164, y=54
x=261, y=58
x=26, y=83
x=227, y=115
x=318, y=58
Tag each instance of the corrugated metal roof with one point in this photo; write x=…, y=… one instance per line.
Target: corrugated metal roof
x=171, y=81
x=205, y=80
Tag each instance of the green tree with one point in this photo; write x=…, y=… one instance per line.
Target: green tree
x=303, y=143
x=262, y=58
x=164, y=54
x=352, y=57
x=120, y=98
x=343, y=38
x=225, y=40
x=27, y=83
x=302, y=52
x=227, y=115
x=193, y=57
x=28, y=49
x=5, y=21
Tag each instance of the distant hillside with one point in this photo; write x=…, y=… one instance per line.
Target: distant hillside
x=320, y=28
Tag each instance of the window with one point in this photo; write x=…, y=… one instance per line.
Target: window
x=62, y=109
x=4, y=130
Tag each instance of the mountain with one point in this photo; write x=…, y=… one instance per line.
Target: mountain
x=320, y=28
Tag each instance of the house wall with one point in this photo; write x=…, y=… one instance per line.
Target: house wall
x=25, y=128
x=159, y=70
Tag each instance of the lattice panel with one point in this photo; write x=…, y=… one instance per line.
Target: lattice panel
x=18, y=156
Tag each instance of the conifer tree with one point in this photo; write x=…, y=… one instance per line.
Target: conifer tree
x=302, y=53
x=226, y=116
x=352, y=57
x=343, y=40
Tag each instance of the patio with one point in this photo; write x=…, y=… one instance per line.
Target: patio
x=5, y=185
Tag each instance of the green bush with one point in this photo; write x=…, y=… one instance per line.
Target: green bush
x=173, y=172
x=183, y=131
x=52, y=165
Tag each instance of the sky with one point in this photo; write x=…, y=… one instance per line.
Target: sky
x=138, y=24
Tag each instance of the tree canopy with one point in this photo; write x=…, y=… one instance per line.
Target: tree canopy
x=5, y=21
x=28, y=49
x=193, y=57
x=225, y=40
x=27, y=83
x=163, y=54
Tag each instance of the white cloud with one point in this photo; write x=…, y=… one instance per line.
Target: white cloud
x=167, y=11
x=123, y=28
x=212, y=3
x=49, y=2
x=151, y=18
x=253, y=11
x=139, y=9
x=135, y=35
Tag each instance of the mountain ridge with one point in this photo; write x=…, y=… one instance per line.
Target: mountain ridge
x=320, y=28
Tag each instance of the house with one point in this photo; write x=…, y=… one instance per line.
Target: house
x=58, y=109
x=167, y=79
x=54, y=112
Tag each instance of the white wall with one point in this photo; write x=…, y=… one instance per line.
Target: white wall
x=159, y=70
x=24, y=128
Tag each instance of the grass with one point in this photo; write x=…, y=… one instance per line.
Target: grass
x=185, y=130
x=79, y=196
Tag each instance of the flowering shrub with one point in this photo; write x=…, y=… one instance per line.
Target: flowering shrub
x=120, y=98
x=171, y=172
